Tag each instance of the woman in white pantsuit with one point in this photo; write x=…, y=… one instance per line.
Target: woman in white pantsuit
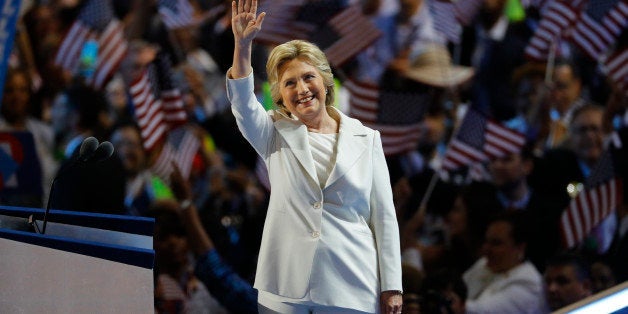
x=331, y=241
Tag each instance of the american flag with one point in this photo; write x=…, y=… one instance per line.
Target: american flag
x=181, y=146
x=95, y=21
x=480, y=139
x=345, y=35
x=556, y=20
x=176, y=13
x=341, y=32
x=445, y=21
x=615, y=66
x=602, y=194
x=451, y=16
x=280, y=23
x=397, y=116
x=599, y=26
x=157, y=101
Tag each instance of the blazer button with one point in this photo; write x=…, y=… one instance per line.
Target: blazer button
x=316, y=234
x=317, y=205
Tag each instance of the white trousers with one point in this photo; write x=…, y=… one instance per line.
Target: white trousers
x=269, y=306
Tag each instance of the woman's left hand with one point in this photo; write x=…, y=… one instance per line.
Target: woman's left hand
x=391, y=302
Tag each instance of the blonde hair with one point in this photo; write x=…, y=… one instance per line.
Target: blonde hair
x=304, y=51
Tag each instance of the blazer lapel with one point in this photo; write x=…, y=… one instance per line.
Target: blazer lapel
x=352, y=143
x=295, y=134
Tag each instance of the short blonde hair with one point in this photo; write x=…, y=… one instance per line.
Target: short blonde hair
x=302, y=50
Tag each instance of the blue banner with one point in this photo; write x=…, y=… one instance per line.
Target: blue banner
x=8, y=19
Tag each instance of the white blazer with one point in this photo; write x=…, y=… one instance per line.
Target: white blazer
x=355, y=254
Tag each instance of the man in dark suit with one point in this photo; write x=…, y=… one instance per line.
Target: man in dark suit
x=510, y=190
x=494, y=46
x=563, y=171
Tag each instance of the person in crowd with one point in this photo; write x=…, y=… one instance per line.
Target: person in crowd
x=118, y=99
x=443, y=292
x=567, y=280
x=331, y=240
x=493, y=45
x=566, y=96
x=231, y=290
x=143, y=187
x=503, y=281
x=602, y=276
x=15, y=115
x=511, y=188
x=180, y=291
x=563, y=171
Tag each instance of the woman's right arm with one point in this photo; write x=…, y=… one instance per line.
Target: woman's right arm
x=245, y=24
x=253, y=121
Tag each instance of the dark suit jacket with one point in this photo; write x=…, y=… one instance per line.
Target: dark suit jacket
x=492, y=91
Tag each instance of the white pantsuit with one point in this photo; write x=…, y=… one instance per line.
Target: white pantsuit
x=339, y=245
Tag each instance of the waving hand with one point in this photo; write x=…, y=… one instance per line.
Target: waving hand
x=245, y=22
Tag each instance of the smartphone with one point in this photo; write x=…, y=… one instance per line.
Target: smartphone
x=87, y=60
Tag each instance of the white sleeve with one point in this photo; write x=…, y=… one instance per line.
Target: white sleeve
x=384, y=221
x=254, y=122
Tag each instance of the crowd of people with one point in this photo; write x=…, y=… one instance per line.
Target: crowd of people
x=483, y=238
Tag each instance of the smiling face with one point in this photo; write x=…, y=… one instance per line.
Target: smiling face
x=302, y=89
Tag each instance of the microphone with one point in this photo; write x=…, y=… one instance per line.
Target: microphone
x=88, y=148
x=90, y=151
x=103, y=152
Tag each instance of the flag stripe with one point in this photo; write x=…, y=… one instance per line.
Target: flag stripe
x=595, y=37
x=495, y=141
x=96, y=21
x=555, y=21
x=588, y=209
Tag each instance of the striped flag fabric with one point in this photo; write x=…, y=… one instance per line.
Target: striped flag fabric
x=450, y=16
x=157, y=102
x=397, y=116
x=445, y=21
x=602, y=194
x=172, y=100
x=615, y=66
x=181, y=146
x=480, y=139
x=176, y=13
x=345, y=35
x=556, y=20
x=599, y=26
x=96, y=21
x=341, y=32
x=280, y=23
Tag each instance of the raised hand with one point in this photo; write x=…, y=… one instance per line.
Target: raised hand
x=245, y=22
